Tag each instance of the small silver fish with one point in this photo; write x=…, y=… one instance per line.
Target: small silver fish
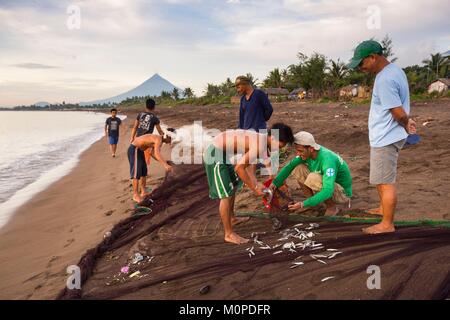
x=327, y=278
x=334, y=255
x=296, y=264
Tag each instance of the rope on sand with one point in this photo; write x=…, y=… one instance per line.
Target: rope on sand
x=299, y=217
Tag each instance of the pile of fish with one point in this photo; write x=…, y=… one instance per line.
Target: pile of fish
x=294, y=240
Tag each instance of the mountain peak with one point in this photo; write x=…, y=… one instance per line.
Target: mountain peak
x=153, y=86
x=155, y=77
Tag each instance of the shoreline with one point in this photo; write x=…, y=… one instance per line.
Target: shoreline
x=51, y=230
x=21, y=196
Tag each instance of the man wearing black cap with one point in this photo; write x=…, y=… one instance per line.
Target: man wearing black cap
x=389, y=126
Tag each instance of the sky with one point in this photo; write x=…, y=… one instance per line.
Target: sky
x=76, y=51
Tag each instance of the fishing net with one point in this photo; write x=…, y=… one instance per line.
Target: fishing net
x=181, y=251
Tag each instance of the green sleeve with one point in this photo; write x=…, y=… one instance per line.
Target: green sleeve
x=329, y=172
x=286, y=171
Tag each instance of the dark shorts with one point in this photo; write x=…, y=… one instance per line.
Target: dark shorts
x=113, y=139
x=138, y=167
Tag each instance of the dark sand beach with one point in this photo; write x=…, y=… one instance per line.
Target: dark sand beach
x=185, y=237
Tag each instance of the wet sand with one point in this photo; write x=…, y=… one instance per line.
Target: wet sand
x=57, y=226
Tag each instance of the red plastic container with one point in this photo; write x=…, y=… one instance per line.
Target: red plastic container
x=274, y=201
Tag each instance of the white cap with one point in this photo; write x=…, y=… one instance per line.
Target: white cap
x=305, y=139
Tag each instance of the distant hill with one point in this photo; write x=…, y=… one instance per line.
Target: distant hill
x=150, y=87
x=41, y=104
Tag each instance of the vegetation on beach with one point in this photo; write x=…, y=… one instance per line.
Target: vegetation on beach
x=321, y=77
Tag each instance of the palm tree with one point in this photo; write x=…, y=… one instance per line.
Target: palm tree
x=436, y=62
x=274, y=79
x=212, y=90
x=188, y=93
x=337, y=69
x=227, y=88
x=253, y=81
x=176, y=93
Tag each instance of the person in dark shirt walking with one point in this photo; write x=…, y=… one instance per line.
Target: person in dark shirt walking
x=112, y=131
x=145, y=123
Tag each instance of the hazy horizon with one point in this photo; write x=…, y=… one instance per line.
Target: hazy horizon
x=77, y=51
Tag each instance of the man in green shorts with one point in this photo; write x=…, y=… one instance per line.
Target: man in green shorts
x=321, y=173
x=225, y=178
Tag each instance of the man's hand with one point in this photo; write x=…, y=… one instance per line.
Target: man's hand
x=295, y=206
x=411, y=127
x=168, y=167
x=272, y=187
x=258, y=190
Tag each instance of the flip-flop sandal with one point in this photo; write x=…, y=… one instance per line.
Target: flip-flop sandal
x=141, y=211
x=137, y=206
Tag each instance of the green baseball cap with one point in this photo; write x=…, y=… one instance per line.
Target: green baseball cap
x=363, y=50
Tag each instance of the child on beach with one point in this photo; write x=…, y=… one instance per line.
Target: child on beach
x=138, y=166
x=112, y=131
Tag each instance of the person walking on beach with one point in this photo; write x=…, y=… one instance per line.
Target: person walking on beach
x=112, y=131
x=145, y=123
x=224, y=179
x=389, y=126
x=138, y=167
x=323, y=176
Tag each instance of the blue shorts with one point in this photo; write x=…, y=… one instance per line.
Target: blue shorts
x=138, y=167
x=113, y=140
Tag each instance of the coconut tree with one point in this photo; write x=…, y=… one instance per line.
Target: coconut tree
x=274, y=79
x=436, y=63
x=176, y=93
x=337, y=69
x=188, y=93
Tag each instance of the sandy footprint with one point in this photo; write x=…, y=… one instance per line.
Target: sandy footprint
x=109, y=212
x=69, y=242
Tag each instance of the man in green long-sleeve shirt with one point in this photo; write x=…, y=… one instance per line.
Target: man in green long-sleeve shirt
x=321, y=173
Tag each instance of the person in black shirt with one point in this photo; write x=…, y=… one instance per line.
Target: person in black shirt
x=112, y=131
x=145, y=123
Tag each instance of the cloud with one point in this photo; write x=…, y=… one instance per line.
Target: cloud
x=31, y=65
x=193, y=42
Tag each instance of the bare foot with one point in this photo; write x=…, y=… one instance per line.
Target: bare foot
x=235, y=221
x=234, y=238
x=377, y=211
x=143, y=195
x=330, y=212
x=379, y=228
x=137, y=198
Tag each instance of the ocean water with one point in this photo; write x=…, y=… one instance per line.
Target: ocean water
x=37, y=148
